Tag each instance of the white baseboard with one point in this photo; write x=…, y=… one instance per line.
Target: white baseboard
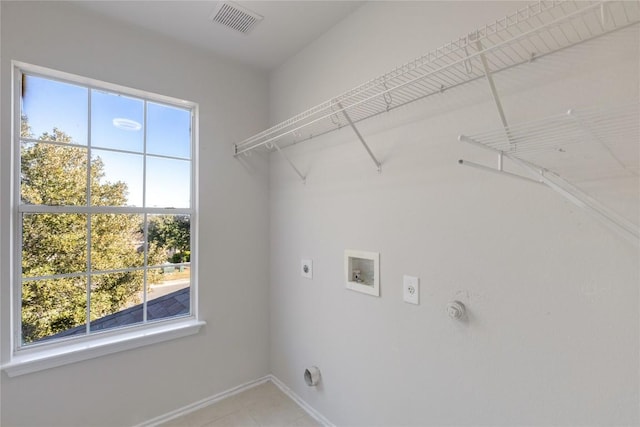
x=304, y=405
x=203, y=403
x=233, y=391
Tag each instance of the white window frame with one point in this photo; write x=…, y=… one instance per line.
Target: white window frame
x=38, y=356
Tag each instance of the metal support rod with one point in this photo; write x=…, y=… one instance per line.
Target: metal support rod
x=500, y=171
x=609, y=218
x=463, y=138
x=500, y=156
x=603, y=16
x=304, y=178
x=355, y=129
x=467, y=64
x=594, y=137
x=492, y=86
x=600, y=212
x=584, y=196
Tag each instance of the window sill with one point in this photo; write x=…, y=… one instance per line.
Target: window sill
x=50, y=358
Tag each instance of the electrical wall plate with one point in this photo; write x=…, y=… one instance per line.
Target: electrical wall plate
x=306, y=268
x=411, y=289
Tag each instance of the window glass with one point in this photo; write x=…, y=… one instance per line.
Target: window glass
x=169, y=295
x=53, y=174
x=95, y=255
x=117, y=121
x=116, y=300
x=168, y=131
x=117, y=241
x=53, y=308
x=49, y=104
x=116, y=178
x=168, y=190
x=53, y=244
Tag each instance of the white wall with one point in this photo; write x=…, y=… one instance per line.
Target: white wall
x=137, y=385
x=553, y=331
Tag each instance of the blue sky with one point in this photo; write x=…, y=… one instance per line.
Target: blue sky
x=117, y=122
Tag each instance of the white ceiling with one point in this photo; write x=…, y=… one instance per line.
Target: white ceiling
x=287, y=27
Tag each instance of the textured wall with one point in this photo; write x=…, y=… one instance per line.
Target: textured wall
x=552, y=332
x=133, y=386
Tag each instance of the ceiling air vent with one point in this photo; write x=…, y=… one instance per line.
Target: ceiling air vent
x=235, y=16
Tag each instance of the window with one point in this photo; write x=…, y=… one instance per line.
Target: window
x=105, y=208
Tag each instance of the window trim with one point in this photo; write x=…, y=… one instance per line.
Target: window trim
x=37, y=356
x=91, y=346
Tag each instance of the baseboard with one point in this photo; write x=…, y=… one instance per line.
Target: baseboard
x=304, y=405
x=233, y=391
x=203, y=403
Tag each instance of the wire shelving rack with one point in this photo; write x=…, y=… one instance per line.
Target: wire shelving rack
x=540, y=29
x=571, y=151
x=530, y=33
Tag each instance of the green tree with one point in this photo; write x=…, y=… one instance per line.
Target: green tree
x=172, y=232
x=56, y=243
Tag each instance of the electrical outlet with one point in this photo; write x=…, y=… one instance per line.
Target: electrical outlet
x=411, y=289
x=306, y=268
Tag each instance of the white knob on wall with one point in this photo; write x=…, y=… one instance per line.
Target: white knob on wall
x=456, y=310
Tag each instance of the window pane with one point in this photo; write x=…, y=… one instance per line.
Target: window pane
x=169, y=239
x=168, y=189
x=90, y=150
x=169, y=292
x=49, y=104
x=52, y=174
x=116, y=300
x=53, y=308
x=53, y=244
x=168, y=131
x=117, y=241
x=116, y=178
x=116, y=121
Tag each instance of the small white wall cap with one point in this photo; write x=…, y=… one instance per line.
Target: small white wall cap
x=456, y=310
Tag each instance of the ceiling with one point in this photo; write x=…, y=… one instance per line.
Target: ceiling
x=287, y=27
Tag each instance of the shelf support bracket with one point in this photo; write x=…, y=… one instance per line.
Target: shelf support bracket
x=603, y=14
x=364, y=144
x=499, y=171
x=608, y=217
x=302, y=177
x=589, y=133
x=600, y=212
x=494, y=94
x=467, y=63
x=492, y=86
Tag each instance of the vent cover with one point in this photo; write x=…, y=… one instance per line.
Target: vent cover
x=234, y=16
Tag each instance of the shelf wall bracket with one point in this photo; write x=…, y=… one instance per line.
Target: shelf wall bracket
x=302, y=177
x=606, y=216
x=603, y=14
x=492, y=86
x=496, y=98
x=364, y=144
x=498, y=171
x=468, y=67
x=609, y=218
x=593, y=136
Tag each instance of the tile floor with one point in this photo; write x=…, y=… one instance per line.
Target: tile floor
x=263, y=405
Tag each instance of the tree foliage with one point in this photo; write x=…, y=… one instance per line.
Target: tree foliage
x=172, y=232
x=56, y=243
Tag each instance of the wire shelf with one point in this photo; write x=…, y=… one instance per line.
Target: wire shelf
x=532, y=32
x=586, y=145
x=589, y=156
